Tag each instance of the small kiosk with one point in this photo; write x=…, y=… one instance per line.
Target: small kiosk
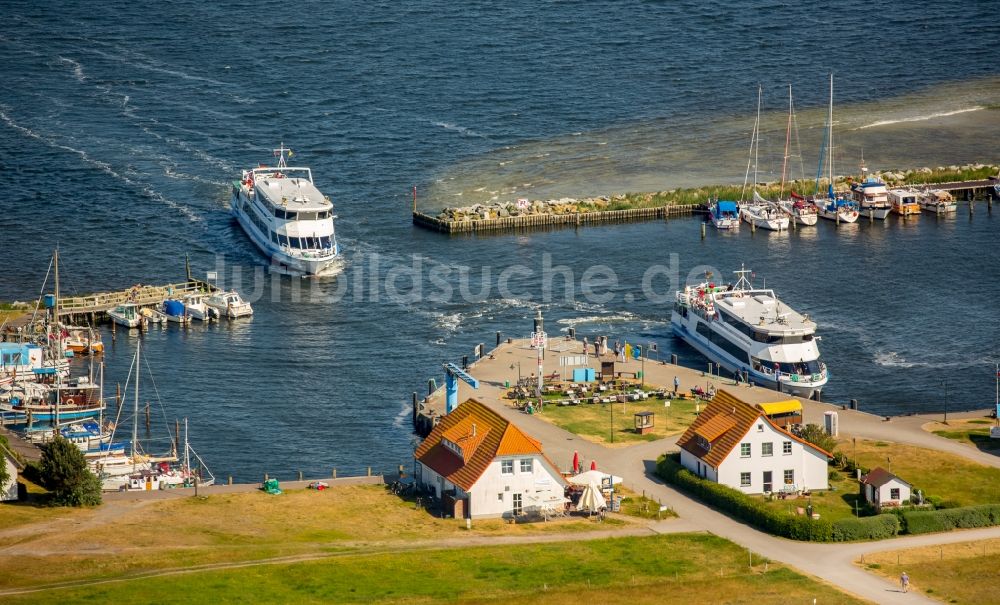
x=644, y=422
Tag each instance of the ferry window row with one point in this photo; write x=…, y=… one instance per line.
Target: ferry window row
x=302, y=216
x=302, y=243
x=743, y=327
x=802, y=368
x=255, y=218
x=722, y=342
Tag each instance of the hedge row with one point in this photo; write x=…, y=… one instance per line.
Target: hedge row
x=756, y=513
x=946, y=519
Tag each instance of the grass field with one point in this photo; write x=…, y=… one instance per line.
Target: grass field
x=593, y=421
x=974, y=432
x=139, y=536
x=656, y=569
x=940, y=474
x=953, y=573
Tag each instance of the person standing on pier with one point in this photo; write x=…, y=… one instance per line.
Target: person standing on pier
x=584, y=346
x=677, y=385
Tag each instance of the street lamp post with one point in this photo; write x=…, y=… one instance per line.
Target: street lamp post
x=945, y=384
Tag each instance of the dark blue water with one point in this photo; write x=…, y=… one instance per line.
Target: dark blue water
x=122, y=125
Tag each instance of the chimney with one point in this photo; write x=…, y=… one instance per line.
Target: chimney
x=473, y=429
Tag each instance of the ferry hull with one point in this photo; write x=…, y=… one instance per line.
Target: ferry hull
x=804, y=390
x=304, y=265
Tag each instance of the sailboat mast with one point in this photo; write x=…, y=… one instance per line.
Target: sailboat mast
x=135, y=407
x=55, y=308
x=830, y=136
x=788, y=138
x=187, y=460
x=756, y=147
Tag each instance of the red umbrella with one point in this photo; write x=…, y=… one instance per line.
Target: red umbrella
x=576, y=463
x=593, y=465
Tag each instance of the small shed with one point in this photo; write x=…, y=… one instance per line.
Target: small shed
x=644, y=422
x=882, y=489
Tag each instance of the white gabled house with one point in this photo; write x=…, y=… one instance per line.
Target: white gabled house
x=882, y=489
x=736, y=444
x=8, y=491
x=481, y=465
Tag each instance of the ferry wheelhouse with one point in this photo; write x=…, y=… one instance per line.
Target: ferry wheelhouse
x=747, y=330
x=286, y=216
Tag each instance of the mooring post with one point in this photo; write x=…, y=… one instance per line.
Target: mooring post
x=499, y=338
x=416, y=406
x=369, y=471
x=265, y=477
x=703, y=231
x=300, y=475
x=334, y=472
x=230, y=480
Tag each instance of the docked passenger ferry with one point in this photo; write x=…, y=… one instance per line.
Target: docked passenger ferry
x=286, y=216
x=747, y=330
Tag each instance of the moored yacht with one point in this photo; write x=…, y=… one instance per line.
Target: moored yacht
x=905, y=202
x=799, y=211
x=229, y=304
x=764, y=214
x=724, y=214
x=286, y=216
x=748, y=331
x=871, y=196
x=937, y=201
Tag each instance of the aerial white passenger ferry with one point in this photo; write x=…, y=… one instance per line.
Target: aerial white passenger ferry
x=286, y=216
x=747, y=330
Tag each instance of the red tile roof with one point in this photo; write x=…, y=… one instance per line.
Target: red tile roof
x=494, y=436
x=723, y=424
x=878, y=477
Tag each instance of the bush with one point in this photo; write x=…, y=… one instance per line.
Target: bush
x=744, y=507
x=816, y=435
x=878, y=527
x=946, y=519
x=64, y=472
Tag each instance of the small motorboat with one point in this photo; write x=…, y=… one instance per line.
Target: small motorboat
x=126, y=315
x=197, y=309
x=175, y=311
x=84, y=341
x=152, y=315
x=229, y=304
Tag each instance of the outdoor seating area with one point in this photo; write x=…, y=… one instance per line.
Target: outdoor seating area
x=584, y=393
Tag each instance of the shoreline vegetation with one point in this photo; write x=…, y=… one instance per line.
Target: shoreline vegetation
x=699, y=196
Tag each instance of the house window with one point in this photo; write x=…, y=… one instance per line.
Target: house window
x=768, y=486
x=507, y=467
x=894, y=493
x=526, y=465
x=500, y=496
x=517, y=504
x=767, y=449
x=760, y=427
x=786, y=448
x=789, y=476
x=744, y=450
x=744, y=479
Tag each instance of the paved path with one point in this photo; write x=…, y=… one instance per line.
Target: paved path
x=636, y=464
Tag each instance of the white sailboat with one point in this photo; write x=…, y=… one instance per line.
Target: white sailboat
x=833, y=208
x=759, y=212
x=796, y=208
x=229, y=304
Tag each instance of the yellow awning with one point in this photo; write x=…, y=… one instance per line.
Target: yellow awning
x=781, y=407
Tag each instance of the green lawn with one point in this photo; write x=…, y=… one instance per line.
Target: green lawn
x=701, y=567
x=836, y=503
x=975, y=432
x=593, y=421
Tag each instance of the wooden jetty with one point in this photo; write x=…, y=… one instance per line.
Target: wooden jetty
x=969, y=190
x=92, y=307
x=532, y=221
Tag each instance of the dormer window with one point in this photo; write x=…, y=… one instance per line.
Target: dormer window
x=451, y=445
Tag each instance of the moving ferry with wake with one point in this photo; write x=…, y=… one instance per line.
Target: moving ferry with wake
x=286, y=216
x=749, y=331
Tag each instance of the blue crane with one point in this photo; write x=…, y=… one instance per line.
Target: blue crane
x=453, y=374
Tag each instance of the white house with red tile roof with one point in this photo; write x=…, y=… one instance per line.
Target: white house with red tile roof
x=483, y=466
x=736, y=444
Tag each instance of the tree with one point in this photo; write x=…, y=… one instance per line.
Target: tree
x=814, y=434
x=65, y=474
